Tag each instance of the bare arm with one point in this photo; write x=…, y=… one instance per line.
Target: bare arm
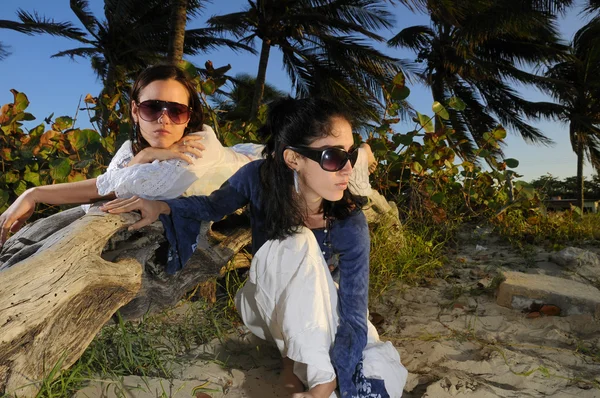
x=67, y=193
x=59, y=194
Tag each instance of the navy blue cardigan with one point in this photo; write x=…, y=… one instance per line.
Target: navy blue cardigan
x=349, y=240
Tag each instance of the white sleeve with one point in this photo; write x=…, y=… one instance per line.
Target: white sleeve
x=158, y=180
x=253, y=151
x=359, y=179
x=172, y=178
x=122, y=157
x=217, y=163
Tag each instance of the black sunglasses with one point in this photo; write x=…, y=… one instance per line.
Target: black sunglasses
x=151, y=110
x=330, y=159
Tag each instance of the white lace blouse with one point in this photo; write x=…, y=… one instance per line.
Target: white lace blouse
x=169, y=179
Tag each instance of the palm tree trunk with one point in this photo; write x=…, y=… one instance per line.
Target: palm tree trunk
x=580, y=147
x=259, y=88
x=437, y=91
x=177, y=35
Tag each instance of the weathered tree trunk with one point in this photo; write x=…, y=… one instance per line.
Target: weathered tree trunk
x=53, y=303
x=177, y=34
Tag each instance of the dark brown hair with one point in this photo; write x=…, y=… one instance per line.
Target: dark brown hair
x=165, y=72
x=296, y=122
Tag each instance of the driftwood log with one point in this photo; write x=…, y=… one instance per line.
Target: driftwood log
x=63, y=277
x=53, y=303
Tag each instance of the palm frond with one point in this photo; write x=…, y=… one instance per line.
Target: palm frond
x=415, y=38
x=77, y=52
x=203, y=39
x=81, y=10
x=33, y=23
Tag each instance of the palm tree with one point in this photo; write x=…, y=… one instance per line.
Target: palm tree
x=475, y=50
x=576, y=86
x=236, y=104
x=322, y=41
x=133, y=35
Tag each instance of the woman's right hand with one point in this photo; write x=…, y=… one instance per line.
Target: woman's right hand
x=15, y=216
x=189, y=144
x=149, y=209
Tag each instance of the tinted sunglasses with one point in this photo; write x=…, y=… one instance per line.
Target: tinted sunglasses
x=152, y=110
x=330, y=159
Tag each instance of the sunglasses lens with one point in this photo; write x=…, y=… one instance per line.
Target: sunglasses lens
x=178, y=113
x=151, y=110
x=333, y=159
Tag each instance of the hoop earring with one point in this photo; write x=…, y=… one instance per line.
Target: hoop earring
x=296, y=186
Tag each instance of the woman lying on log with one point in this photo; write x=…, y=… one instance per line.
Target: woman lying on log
x=170, y=153
x=305, y=222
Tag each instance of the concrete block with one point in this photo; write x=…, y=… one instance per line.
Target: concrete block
x=520, y=290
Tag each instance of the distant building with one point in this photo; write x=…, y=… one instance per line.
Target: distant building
x=557, y=203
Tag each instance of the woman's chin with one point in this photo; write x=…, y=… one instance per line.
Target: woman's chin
x=334, y=196
x=158, y=143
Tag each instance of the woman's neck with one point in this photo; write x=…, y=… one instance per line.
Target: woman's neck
x=314, y=207
x=314, y=214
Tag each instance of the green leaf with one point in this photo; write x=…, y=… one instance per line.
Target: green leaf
x=20, y=188
x=79, y=139
x=512, y=163
x=457, y=104
x=4, y=196
x=76, y=177
x=426, y=122
x=209, y=87
x=378, y=146
x=484, y=153
x=60, y=168
x=32, y=177
x=11, y=177
x=416, y=167
x=400, y=93
x=438, y=197
x=402, y=139
x=189, y=68
x=62, y=123
x=399, y=80
x=439, y=110
x=499, y=133
x=37, y=131
x=21, y=102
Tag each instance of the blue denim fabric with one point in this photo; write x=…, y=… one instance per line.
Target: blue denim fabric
x=349, y=240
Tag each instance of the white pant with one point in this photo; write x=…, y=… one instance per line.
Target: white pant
x=291, y=299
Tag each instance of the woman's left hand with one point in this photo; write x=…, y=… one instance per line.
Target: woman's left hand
x=149, y=209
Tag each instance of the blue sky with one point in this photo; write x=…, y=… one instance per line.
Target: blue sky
x=55, y=85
